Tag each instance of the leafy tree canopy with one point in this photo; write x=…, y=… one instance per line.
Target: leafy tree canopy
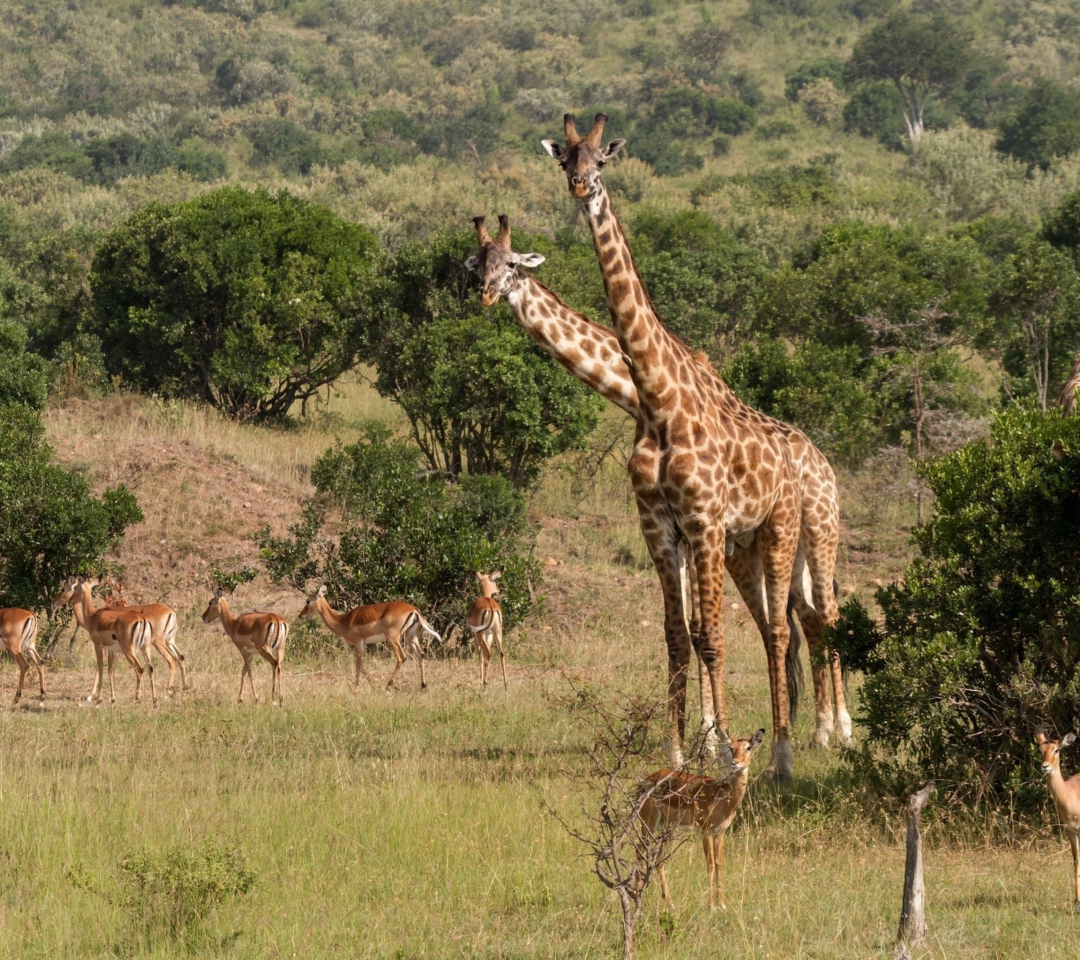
x=1046, y=124
x=248, y=301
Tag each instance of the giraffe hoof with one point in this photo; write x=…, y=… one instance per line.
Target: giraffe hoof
x=1076, y=908
x=820, y=740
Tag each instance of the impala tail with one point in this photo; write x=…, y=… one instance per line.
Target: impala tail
x=170, y=637
x=29, y=639
x=429, y=628
x=278, y=634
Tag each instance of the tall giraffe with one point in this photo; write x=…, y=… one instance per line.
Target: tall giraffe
x=707, y=467
x=591, y=353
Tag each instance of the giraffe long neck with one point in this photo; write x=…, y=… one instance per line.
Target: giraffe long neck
x=650, y=346
x=589, y=351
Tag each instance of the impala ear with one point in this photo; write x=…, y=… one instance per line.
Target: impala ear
x=1040, y=736
x=322, y=591
x=219, y=593
x=1068, y=739
x=554, y=149
x=758, y=736
x=479, y=575
x=471, y=263
x=530, y=260
x=496, y=575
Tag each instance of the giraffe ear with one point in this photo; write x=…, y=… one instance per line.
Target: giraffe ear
x=553, y=148
x=471, y=263
x=613, y=148
x=529, y=260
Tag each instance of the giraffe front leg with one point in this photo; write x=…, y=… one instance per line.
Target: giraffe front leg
x=813, y=629
x=708, y=543
x=663, y=547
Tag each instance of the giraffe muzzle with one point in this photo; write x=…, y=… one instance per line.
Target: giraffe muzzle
x=489, y=296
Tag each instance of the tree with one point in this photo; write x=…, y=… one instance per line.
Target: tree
x=404, y=534
x=481, y=397
x=980, y=639
x=50, y=524
x=1034, y=322
x=1045, y=125
x=919, y=55
x=248, y=301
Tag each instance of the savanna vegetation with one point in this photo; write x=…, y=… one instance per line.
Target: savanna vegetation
x=239, y=347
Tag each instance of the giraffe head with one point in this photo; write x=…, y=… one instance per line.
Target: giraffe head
x=495, y=263
x=583, y=157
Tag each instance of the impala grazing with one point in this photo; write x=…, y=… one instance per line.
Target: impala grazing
x=119, y=629
x=253, y=633
x=687, y=800
x=162, y=620
x=485, y=622
x=18, y=631
x=1066, y=794
x=389, y=623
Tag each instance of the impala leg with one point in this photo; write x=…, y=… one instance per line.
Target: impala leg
x=251, y=678
x=358, y=654
x=129, y=655
x=420, y=662
x=39, y=663
x=23, y=667
x=170, y=642
x=718, y=866
x=163, y=649
x=502, y=657
x=399, y=658
x=112, y=685
x=243, y=673
x=150, y=670
x=272, y=660
x=98, y=679
x=1074, y=842
x=710, y=864
x=481, y=649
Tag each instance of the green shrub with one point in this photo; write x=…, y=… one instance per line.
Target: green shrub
x=247, y=301
x=831, y=68
x=171, y=895
x=1045, y=124
x=980, y=643
x=406, y=534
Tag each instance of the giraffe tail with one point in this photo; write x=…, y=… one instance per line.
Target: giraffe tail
x=796, y=678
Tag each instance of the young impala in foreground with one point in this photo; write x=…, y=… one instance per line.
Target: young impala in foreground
x=378, y=623
x=485, y=622
x=253, y=633
x=1066, y=794
x=113, y=629
x=687, y=800
x=162, y=628
x=18, y=630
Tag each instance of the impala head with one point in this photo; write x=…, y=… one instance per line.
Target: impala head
x=1051, y=750
x=741, y=750
x=488, y=587
x=583, y=157
x=213, y=609
x=67, y=591
x=495, y=263
x=311, y=608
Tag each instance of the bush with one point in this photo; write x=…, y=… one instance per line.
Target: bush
x=980, y=643
x=481, y=396
x=171, y=895
x=406, y=535
x=1045, y=125
x=822, y=102
x=246, y=301
x=831, y=68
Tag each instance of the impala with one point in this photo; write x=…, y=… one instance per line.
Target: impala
x=1066, y=794
x=253, y=633
x=162, y=621
x=485, y=622
x=378, y=623
x=111, y=629
x=688, y=800
x=18, y=631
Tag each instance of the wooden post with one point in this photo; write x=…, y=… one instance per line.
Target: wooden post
x=912, y=910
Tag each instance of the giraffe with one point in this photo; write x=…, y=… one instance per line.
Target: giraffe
x=707, y=467
x=591, y=353
x=1066, y=398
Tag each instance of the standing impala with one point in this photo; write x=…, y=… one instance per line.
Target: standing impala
x=378, y=623
x=1066, y=794
x=485, y=622
x=162, y=621
x=18, y=631
x=253, y=633
x=112, y=629
x=687, y=800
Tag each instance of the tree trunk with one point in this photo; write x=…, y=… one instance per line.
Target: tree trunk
x=912, y=910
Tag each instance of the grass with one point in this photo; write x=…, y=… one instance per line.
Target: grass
x=413, y=825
